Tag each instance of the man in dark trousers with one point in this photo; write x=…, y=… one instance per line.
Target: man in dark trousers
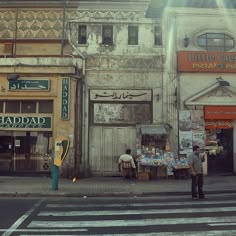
x=195, y=160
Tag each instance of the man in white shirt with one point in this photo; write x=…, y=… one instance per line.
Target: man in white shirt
x=126, y=164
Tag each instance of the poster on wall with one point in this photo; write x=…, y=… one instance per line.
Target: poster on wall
x=185, y=142
x=185, y=132
x=199, y=139
x=185, y=121
x=191, y=130
x=197, y=118
x=198, y=128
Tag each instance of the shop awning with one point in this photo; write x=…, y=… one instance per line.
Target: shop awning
x=154, y=129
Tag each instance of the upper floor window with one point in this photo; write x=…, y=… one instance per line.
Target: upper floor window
x=157, y=35
x=1, y=106
x=45, y=106
x=82, y=34
x=12, y=106
x=132, y=35
x=107, y=35
x=215, y=42
x=26, y=106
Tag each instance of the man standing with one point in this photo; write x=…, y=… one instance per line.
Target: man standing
x=195, y=160
x=126, y=164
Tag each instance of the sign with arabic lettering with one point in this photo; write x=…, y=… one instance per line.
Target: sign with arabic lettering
x=29, y=84
x=31, y=122
x=65, y=98
x=120, y=95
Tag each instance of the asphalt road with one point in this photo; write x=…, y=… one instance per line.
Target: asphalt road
x=155, y=216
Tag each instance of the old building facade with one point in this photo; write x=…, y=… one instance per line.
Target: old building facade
x=123, y=84
x=39, y=83
x=200, y=73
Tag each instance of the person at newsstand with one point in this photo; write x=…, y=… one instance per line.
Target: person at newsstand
x=195, y=160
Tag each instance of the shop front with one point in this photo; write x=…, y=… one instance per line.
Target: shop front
x=25, y=142
x=33, y=112
x=208, y=110
x=212, y=128
x=26, y=151
x=219, y=138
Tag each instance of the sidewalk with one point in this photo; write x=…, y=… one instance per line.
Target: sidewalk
x=109, y=186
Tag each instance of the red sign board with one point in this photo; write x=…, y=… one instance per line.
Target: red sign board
x=202, y=61
x=218, y=124
x=220, y=112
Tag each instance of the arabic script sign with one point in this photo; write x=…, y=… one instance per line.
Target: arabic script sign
x=120, y=95
x=28, y=85
x=65, y=98
x=25, y=122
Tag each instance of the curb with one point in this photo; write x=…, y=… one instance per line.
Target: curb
x=113, y=194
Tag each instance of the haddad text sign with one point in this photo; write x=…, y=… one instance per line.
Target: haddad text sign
x=25, y=122
x=65, y=99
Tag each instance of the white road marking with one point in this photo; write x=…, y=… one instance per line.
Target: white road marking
x=136, y=212
x=44, y=230
x=222, y=224
x=186, y=233
x=200, y=202
x=10, y=230
x=125, y=223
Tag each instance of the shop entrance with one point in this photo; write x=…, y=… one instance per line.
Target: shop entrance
x=219, y=146
x=25, y=151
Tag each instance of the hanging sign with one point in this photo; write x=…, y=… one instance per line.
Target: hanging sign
x=65, y=99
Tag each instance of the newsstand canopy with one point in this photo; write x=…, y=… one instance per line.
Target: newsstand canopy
x=154, y=129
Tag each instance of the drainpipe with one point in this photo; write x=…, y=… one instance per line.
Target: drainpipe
x=79, y=100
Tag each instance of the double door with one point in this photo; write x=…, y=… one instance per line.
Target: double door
x=106, y=144
x=220, y=158
x=25, y=151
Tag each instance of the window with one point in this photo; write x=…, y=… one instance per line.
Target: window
x=132, y=35
x=45, y=107
x=107, y=35
x=12, y=107
x=157, y=35
x=1, y=107
x=28, y=107
x=82, y=34
x=215, y=42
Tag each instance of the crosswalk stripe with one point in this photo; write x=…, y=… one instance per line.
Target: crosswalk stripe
x=136, y=212
x=140, y=204
x=125, y=223
x=195, y=233
x=223, y=224
x=23, y=218
x=42, y=230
